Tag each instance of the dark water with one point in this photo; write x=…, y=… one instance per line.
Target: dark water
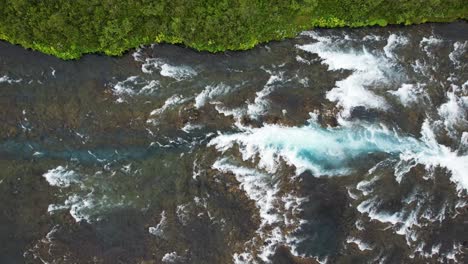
x=338, y=146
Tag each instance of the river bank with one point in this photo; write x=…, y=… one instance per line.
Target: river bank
x=69, y=29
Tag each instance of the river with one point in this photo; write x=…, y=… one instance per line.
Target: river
x=337, y=146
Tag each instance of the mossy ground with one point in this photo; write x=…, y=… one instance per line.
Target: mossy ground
x=68, y=29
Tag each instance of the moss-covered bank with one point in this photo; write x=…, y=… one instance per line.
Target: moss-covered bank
x=68, y=29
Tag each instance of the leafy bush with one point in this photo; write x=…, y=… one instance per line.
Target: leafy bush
x=69, y=28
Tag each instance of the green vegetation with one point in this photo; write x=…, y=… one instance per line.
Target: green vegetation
x=69, y=28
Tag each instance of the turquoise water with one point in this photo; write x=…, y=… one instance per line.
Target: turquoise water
x=323, y=151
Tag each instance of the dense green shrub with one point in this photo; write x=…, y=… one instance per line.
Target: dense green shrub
x=69, y=28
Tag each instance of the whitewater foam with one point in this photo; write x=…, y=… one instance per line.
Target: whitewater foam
x=435, y=155
x=331, y=151
x=428, y=44
x=158, y=230
x=211, y=92
x=261, y=103
x=279, y=215
x=409, y=94
x=459, y=49
x=323, y=151
x=172, y=101
x=9, y=80
x=61, y=177
x=134, y=85
x=169, y=103
x=369, y=69
x=453, y=112
x=172, y=257
x=178, y=73
x=258, y=186
x=359, y=243
x=394, y=41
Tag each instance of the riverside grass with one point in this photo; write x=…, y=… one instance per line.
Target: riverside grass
x=71, y=28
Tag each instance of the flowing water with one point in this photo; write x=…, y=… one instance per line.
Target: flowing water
x=338, y=146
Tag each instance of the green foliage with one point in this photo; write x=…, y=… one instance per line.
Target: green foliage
x=69, y=28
